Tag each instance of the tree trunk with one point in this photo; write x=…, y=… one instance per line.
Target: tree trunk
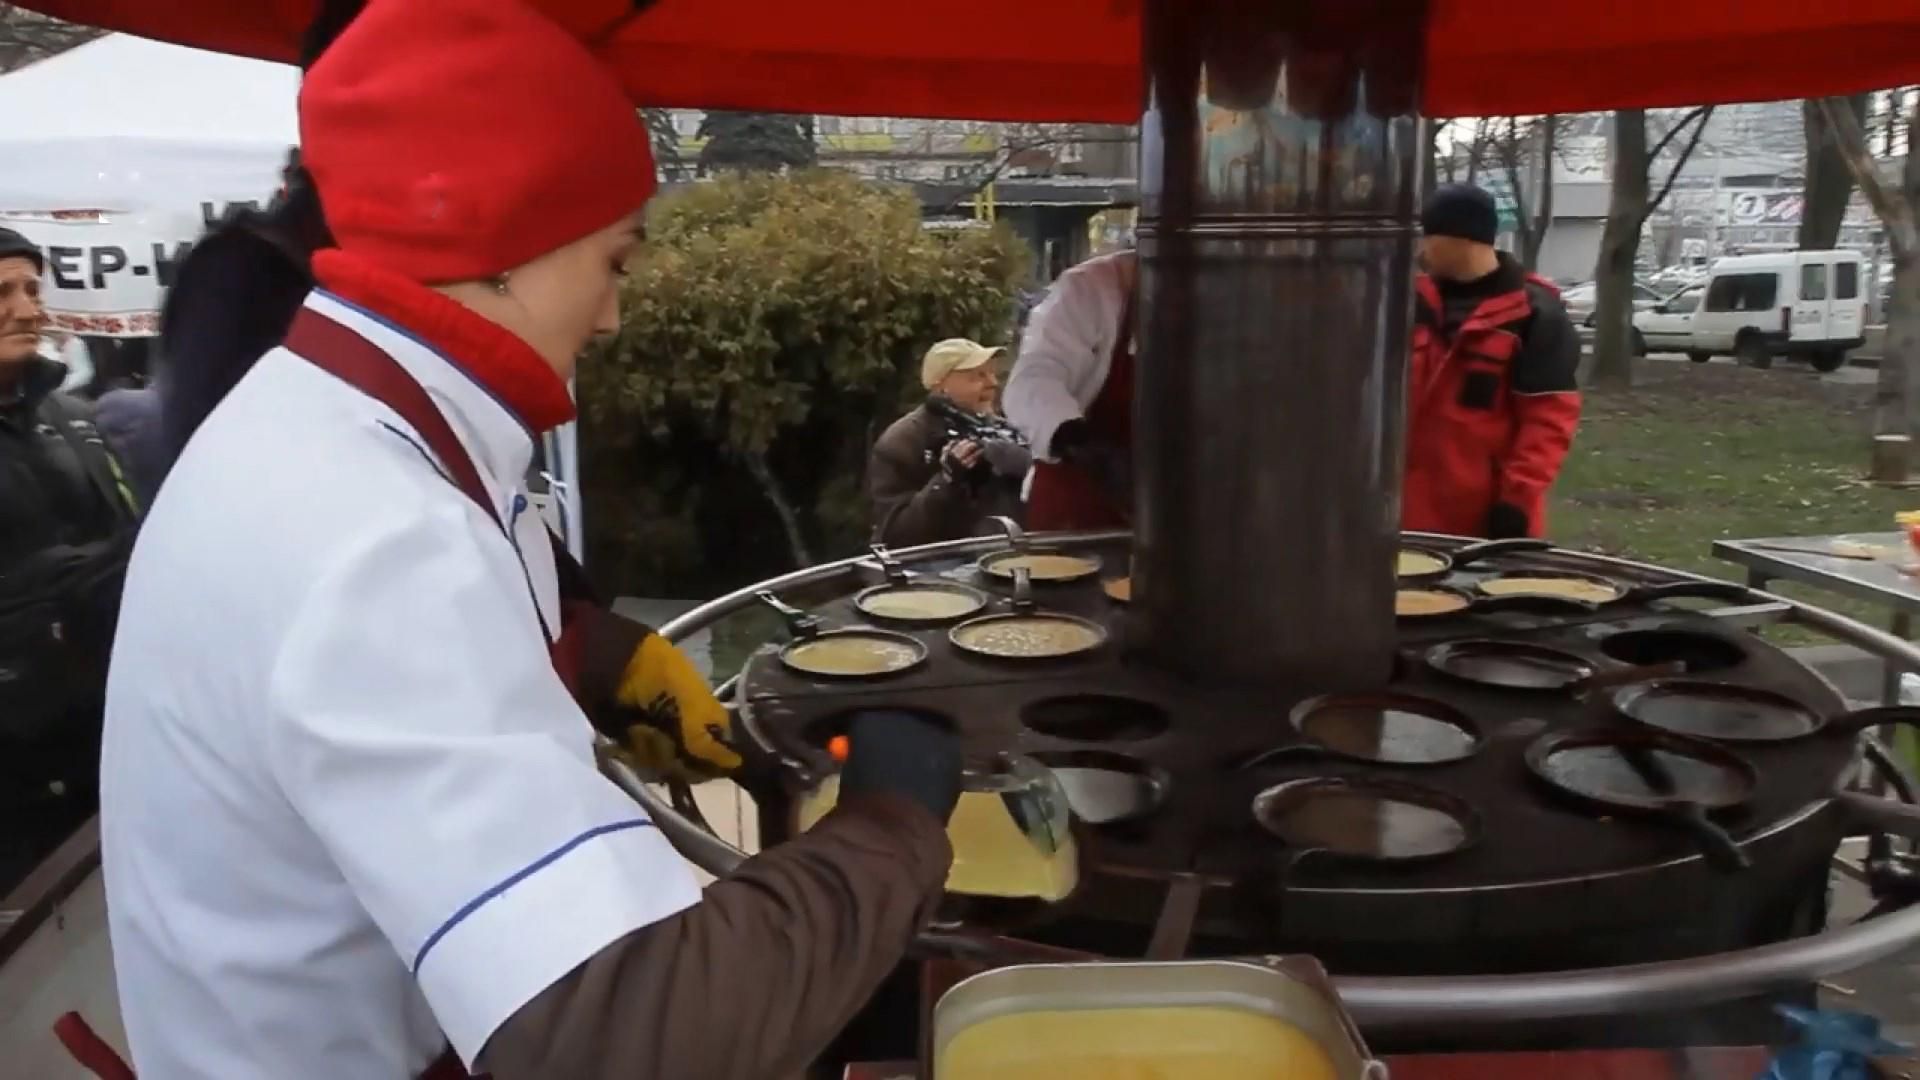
x=1899, y=209
x=1829, y=186
x=1613, y=275
x=1902, y=351
x=789, y=517
x=1430, y=161
x=1543, y=201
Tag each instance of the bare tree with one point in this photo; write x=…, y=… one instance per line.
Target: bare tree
x=26, y=36
x=1515, y=151
x=1898, y=207
x=1430, y=164
x=1483, y=133
x=1829, y=184
x=665, y=138
x=1627, y=215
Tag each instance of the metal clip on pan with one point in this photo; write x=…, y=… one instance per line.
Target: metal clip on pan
x=800, y=624
x=890, y=567
x=1016, y=536
x=1022, y=590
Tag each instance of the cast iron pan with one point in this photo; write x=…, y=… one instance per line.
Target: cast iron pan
x=1516, y=665
x=1617, y=591
x=1025, y=611
x=1726, y=713
x=1459, y=557
x=1473, y=604
x=900, y=582
x=1648, y=772
x=1381, y=729
x=993, y=563
x=808, y=630
x=1105, y=788
x=1366, y=820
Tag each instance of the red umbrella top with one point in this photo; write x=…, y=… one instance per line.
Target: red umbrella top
x=1061, y=60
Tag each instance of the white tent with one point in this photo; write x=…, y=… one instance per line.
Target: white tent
x=116, y=152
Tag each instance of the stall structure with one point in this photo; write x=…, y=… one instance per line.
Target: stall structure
x=1532, y=818
x=119, y=152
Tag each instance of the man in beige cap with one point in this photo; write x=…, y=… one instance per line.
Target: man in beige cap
x=943, y=468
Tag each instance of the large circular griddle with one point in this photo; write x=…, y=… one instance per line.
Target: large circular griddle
x=1574, y=888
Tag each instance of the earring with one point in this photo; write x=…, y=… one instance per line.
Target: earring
x=499, y=284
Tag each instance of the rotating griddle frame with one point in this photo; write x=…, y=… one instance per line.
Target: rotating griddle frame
x=1203, y=825
x=1429, y=1002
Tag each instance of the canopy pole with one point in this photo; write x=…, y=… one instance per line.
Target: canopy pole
x=1279, y=186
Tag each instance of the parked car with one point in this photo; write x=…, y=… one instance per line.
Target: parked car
x=1804, y=304
x=1668, y=325
x=1581, y=299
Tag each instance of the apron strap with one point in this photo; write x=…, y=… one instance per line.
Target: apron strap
x=366, y=367
x=344, y=354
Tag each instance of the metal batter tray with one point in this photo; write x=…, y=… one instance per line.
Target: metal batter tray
x=1290, y=988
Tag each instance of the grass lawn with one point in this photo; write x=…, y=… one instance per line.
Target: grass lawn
x=1696, y=453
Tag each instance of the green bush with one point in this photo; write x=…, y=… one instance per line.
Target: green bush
x=773, y=327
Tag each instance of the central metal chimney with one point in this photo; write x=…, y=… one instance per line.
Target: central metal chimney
x=1279, y=182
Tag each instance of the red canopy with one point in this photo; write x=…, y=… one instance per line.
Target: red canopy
x=1077, y=59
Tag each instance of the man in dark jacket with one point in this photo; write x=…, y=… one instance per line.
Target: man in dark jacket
x=1491, y=400
x=66, y=517
x=943, y=468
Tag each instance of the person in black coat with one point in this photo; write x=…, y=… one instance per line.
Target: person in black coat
x=66, y=526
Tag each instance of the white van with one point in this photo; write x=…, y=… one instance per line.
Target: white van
x=1805, y=304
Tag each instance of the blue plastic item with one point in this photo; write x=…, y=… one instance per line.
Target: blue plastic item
x=1834, y=1045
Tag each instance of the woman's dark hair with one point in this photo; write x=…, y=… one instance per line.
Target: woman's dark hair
x=239, y=288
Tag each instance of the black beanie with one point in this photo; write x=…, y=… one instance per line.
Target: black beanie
x=1463, y=211
x=15, y=246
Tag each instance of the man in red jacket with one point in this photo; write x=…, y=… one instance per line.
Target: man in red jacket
x=1491, y=399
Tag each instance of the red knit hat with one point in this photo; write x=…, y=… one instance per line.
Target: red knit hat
x=453, y=140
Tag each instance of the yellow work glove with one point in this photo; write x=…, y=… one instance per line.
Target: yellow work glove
x=675, y=727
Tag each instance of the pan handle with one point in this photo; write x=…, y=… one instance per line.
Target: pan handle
x=1860, y=720
x=800, y=624
x=1627, y=676
x=896, y=574
x=1279, y=752
x=1488, y=548
x=1016, y=536
x=1716, y=846
x=1702, y=590
x=1173, y=931
x=1881, y=815
x=1023, y=588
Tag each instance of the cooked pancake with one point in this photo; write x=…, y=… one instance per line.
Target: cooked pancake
x=852, y=654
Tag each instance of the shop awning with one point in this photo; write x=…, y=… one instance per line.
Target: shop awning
x=1060, y=60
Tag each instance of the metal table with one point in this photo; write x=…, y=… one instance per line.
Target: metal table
x=1878, y=581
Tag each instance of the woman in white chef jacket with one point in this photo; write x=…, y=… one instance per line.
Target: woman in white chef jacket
x=352, y=825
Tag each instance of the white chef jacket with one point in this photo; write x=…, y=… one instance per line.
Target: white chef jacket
x=346, y=803
x=1068, y=347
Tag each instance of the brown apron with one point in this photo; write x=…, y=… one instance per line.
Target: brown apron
x=95, y=1055
x=1066, y=497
